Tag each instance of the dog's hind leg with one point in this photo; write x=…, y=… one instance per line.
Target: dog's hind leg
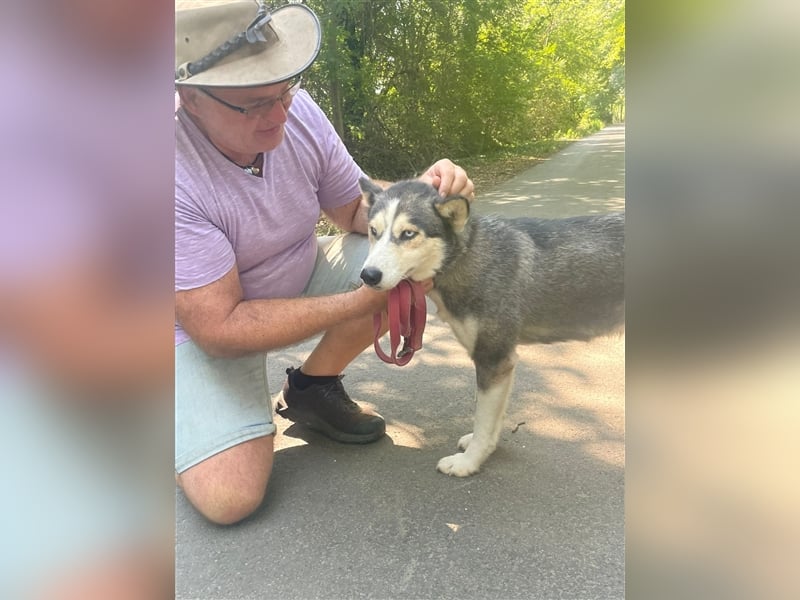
x=494, y=389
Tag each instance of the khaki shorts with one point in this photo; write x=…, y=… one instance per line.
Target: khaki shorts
x=222, y=402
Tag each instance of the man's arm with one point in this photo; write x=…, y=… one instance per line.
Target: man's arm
x=217, y=318
x=350, y=217
x=353, y=215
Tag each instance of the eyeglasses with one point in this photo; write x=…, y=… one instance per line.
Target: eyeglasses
x=265, y=106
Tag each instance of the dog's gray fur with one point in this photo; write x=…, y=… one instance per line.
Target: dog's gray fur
x=498, y=283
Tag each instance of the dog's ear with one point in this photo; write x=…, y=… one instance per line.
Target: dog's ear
x=454, y=209
x=369, y=190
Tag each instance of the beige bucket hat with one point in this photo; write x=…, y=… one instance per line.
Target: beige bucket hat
x=244, y=44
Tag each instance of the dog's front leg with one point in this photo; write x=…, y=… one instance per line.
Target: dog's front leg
x=494, y=389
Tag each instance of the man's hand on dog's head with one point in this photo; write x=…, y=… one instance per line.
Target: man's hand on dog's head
x=449, y=179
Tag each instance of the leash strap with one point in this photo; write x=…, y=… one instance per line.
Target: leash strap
x=407, y=316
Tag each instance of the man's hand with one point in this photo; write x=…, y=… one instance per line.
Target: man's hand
x=427, y=285
x=449, y=179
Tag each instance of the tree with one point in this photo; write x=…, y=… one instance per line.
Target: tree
x=408, y=81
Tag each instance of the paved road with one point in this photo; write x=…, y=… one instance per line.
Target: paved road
x=584, y=178
x=543, y=519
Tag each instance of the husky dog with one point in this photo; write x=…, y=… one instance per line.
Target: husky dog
x=497, y=283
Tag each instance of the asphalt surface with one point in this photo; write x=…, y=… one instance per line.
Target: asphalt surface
x=544, y=518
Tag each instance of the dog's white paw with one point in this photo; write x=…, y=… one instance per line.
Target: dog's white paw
x=458, y=465
x=463, y=443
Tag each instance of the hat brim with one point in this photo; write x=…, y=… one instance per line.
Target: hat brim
x=199, y=31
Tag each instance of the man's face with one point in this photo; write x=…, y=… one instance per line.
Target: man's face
x=218, y=112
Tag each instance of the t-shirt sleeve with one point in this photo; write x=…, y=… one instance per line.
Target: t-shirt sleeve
x=203, y=254
x=338, y=184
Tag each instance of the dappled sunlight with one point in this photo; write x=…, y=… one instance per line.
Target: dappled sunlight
x=562, y=428
x=282, y=442
x=375, y=387
x=550, y=205
x=546, y=181
x=406, y=435
x=574, y=392
x=611, y=452
x=598, y=431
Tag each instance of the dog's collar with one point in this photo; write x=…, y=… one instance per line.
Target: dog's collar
x=407, y=315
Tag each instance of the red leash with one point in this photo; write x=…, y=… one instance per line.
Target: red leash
x=407, y=316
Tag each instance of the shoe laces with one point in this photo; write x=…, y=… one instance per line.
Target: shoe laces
x=334, y=393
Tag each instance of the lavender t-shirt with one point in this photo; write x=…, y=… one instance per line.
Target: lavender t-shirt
x=264, y=225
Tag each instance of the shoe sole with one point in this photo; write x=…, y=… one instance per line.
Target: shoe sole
x=325, y=429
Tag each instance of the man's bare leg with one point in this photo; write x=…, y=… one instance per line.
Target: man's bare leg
x=339, y=346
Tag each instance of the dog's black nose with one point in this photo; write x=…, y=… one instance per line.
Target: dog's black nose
x=371, y=276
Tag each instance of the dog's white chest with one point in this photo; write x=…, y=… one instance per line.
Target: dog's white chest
x=466, y=331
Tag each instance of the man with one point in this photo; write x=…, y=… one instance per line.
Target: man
x=256, y=161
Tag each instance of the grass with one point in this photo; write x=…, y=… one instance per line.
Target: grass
x=488, y=171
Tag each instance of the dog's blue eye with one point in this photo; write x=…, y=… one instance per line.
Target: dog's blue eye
x=408, y=234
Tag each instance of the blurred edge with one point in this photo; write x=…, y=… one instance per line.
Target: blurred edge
x=86, y=300
x=713, y=156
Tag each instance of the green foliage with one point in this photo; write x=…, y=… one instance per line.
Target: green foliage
x=408, y=81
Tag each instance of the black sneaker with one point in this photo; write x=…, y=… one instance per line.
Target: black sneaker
x=329, y=410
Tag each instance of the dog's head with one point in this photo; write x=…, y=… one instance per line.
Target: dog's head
x=410, y=228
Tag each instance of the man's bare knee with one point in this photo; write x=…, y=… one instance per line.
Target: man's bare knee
x=224, y=506
x=231, y=485
x=231, y=509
